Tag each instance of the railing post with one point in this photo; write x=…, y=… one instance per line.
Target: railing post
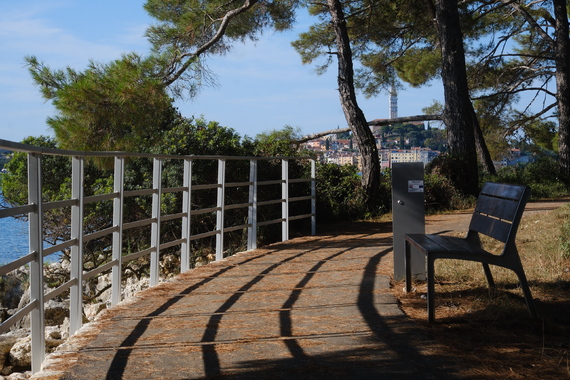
x=76, y=291
x=118, y=206
x=155, y=229
x=36, y=266
x=252, y=210
x=221, y=209
x=313, y=198
x=285, y=199
x=186, y=247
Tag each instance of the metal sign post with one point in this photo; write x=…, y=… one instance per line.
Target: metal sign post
x=408, y=214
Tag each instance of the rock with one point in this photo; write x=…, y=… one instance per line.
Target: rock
x=134, y=286
x=52, y=344
x=19, y=376
x=15, y=335
x=12, y=287
x=55, y=316
x=92, y=310
x=130, y=287
x=54, y=336
x=5, y=347
x=55, y=312
x=6, y=344
x=7, y=341
x=6, y=371
x=4, y=313
x=65, y=264
x=24, y=323
x=20, y=353
x=65, y=329
x=53, y=332
x=104, y=287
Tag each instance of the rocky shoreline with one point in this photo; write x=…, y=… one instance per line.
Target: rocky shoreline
x=15, y=345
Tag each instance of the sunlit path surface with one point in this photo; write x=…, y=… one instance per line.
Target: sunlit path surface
x=311, y=308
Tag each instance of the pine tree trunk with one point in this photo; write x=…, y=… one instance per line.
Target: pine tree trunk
x=458, y=113
x=482, y=150
x=353, y=114
x=562, y=41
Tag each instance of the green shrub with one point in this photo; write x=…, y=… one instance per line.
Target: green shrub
x=441, y=195
x=340, y=196
x=542, y=175
x=455, y=169
x=384, y=201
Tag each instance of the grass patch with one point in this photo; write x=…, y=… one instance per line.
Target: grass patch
x=542, y=241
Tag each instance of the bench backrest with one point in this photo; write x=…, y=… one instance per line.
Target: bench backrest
x=499, y=210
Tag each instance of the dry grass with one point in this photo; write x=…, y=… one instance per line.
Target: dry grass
x=539, y=245
x=493, y=333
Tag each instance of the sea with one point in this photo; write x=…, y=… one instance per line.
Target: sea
x=14, y=239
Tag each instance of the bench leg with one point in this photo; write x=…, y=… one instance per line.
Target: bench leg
x=489, y=276
x=408, y=267
x=527, y=294
x=430, y=289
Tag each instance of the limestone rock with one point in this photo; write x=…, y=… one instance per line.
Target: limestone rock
x=64, y=329
x=20, y=353
x=19, y=376
x=55, y=312
x=11, y=289
x=7, y=341
x=134, y=286
x=92, y=310
x=53, y=332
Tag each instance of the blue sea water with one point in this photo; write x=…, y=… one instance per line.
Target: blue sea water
x=13, y=238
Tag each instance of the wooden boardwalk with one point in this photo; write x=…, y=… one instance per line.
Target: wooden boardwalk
x=311, y=308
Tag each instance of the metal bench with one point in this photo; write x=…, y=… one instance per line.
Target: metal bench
x=497, y=214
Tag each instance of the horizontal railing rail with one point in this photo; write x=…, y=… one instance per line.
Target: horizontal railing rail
x=114, y=228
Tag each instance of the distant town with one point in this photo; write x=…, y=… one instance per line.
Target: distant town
x=409, y=142
x=340, y=148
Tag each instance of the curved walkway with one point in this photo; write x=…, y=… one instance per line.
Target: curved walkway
x=311, y=308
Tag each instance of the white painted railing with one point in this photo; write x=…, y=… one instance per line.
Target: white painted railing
x=36, y=207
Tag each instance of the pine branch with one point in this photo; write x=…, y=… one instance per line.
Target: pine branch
x=224, y=22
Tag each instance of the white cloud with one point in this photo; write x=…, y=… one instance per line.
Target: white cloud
x=54, y=45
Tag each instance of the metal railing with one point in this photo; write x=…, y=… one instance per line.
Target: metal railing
x=36, y=208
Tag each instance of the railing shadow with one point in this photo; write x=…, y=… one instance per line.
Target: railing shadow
x=393, y=347
x=119, y=362
x=211, y=360
x=401, y=342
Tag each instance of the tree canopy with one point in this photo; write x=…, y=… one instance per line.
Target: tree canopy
x=115, y=106
x=121, y=105
x=487, y=54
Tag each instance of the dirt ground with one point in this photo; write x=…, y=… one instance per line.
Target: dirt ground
x=493, y=334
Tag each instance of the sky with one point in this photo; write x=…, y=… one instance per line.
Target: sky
x=262, y=85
